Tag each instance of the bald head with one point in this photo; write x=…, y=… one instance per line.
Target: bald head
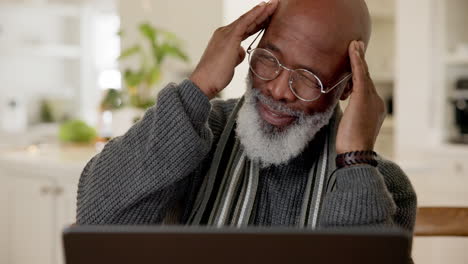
x=320, y=30
x=339, y=19
x=314, y=35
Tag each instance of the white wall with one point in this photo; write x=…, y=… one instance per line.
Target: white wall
x=232, y=10
x=192, y=21
x=413, y=76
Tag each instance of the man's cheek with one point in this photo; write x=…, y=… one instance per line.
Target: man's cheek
x=265, y=92
x=258, y=85
x=312, y=108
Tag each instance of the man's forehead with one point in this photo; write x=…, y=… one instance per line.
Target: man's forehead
x=314, y=23
x=305, y=32
x=329, y=21
x=294, y=52
x=304, y=44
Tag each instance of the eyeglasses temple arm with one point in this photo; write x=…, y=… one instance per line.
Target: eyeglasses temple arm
x=336, y=85
x=256, y=37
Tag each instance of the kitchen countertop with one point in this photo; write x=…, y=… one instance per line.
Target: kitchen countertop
x=50, y=154
x=38, y=150
x=50, y=160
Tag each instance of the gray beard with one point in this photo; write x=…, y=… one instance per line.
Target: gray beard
x=271, y=145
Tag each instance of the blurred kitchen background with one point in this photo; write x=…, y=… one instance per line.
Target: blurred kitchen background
x=75, y=73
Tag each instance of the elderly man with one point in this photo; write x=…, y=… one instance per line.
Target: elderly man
x=283, y=155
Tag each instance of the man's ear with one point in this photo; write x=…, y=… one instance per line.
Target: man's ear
x=347, y=90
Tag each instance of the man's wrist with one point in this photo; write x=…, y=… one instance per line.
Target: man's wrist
x=202, y=86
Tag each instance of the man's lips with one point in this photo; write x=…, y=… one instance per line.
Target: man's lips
x=274, y=117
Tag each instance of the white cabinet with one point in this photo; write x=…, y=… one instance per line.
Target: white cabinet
x=37, y=200
x=4, y=185
x=39, y=208
x=31, y=220
x=65, y=213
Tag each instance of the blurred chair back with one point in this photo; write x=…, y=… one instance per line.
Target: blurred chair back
x=442, y=221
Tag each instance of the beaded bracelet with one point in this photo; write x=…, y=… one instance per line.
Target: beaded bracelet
x=356, y=157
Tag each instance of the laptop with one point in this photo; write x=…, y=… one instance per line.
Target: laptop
x=197, y=245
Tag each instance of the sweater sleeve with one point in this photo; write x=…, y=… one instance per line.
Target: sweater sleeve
x=370, y=196
x=141, y=174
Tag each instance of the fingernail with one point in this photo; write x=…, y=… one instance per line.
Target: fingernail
x=358, y=53
x=262, y=3
x=356, y=45
x=363, y=46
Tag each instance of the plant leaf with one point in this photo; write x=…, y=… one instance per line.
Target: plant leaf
x=113, y=99
x=130, y=52
x=169, y=36
x=154, y=75
x=147, y=30
x=133, y=78
x=169, y=49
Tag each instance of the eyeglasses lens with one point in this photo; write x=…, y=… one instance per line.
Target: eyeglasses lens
x=267, y=67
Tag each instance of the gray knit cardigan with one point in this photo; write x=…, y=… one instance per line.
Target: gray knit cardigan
x=153, y=173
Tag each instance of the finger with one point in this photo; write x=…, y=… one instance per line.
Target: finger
x=363, y=46
x=252, y=21
x=259, y=23
x=363, y=56
x=356, y=64
x=241, y=55
x=357, y=67
x=370, y=84
x=262, y=20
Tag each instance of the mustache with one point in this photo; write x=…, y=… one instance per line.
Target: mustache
x=275, y=105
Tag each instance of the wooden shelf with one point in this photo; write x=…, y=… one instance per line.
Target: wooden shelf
x=42, y=50
x=455, y=94
x=56, y=9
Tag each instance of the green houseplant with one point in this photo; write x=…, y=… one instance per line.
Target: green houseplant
x=157, y=47
x=77, y=131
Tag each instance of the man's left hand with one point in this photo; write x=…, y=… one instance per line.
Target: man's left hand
x=365, y=113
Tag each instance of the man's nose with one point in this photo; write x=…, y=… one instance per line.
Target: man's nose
x=279, y=89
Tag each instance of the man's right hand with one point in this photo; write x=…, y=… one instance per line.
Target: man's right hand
x=224, y=52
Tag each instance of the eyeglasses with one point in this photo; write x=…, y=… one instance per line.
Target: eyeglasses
x=305, y=85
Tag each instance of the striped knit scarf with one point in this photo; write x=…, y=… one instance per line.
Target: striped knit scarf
x=227, y=196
